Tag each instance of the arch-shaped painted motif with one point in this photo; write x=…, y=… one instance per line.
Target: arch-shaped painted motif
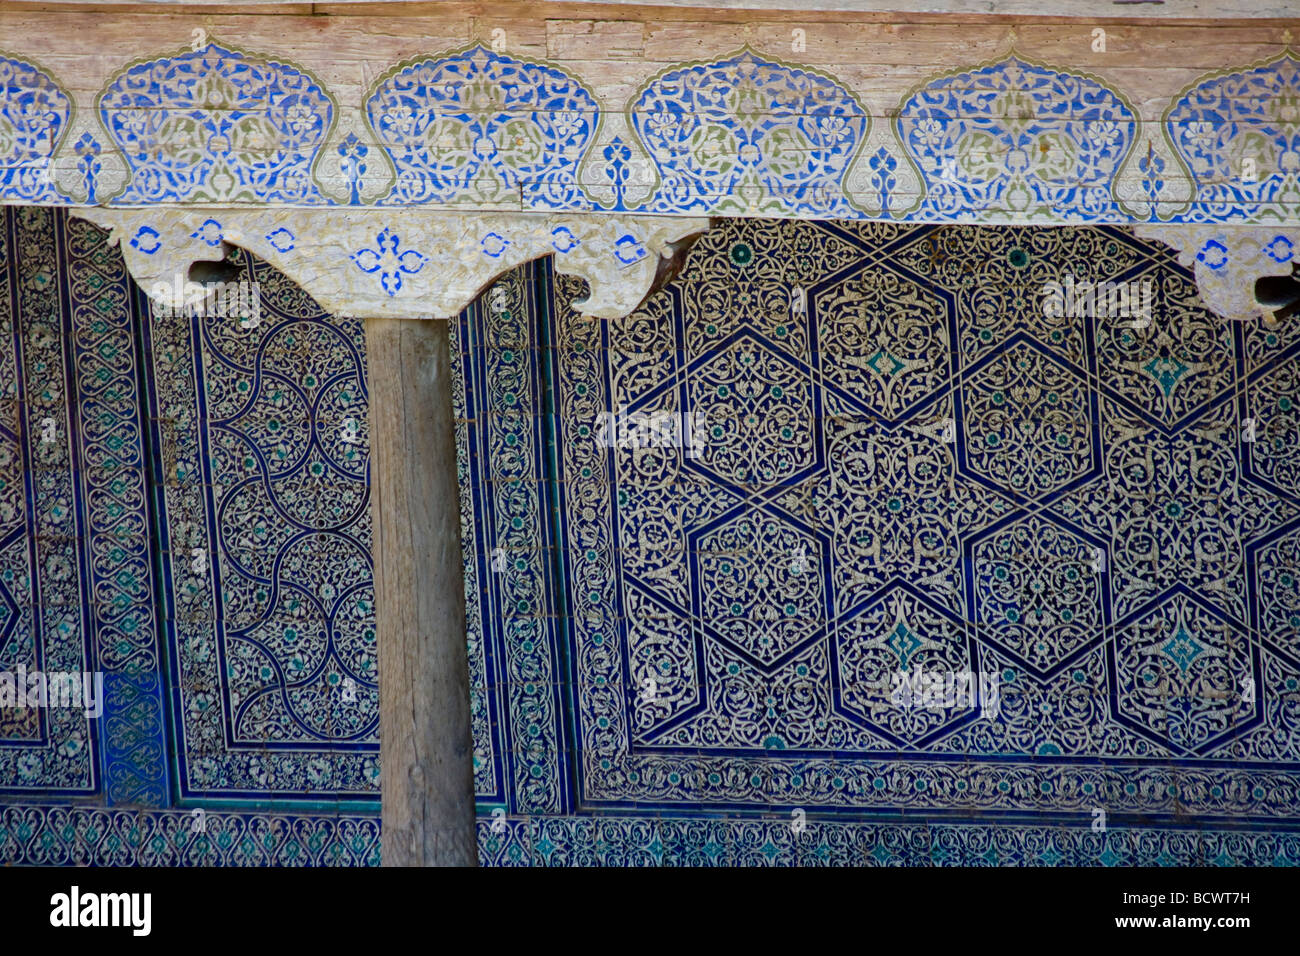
x=1238, y=132
x=35, y=114
x=1018, y=139
x=749, y=135
x=217, y=124
x=484, y=128
x=1010, y=140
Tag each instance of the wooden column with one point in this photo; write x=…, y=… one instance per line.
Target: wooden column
x=426, y=749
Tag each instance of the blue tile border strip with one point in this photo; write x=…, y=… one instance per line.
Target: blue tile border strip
x=52, y=750
x=513, y=540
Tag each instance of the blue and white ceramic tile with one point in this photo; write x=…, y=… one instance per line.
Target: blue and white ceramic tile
x=1122, y=677
x=77, y=579
x=745, y=135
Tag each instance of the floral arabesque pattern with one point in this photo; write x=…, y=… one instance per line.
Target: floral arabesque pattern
x=262, y=439
x=1239, y=134
x=747, y=134
x=482, y=127
x=1017, y=139
x=34, y=117
x=1082, y=530
x=217, y=125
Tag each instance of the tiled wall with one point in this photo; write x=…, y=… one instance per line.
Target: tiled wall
x=921, y=471
x=678, y=654
x=160, y=482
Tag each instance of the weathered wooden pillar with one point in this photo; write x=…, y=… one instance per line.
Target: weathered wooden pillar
x=427, y=769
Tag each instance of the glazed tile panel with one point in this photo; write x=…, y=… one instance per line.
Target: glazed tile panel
x=746, y=134
x=88, y=836
x=733, y=841
x=924, y=471
x=76, y=579
x=510, y=551
x=61, y=836
x=207, y=506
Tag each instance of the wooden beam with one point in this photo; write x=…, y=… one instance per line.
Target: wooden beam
x=426, y=762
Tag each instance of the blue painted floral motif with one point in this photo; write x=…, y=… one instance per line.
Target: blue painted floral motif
x=618, y=157
x=1019, y=139
x=147, y=240
x=1152, y=168
x=493, y=244
x=1239, y=134
x=209, y=231
x=89, y=165
x=217, y=125
x=388, y=261
x=483, y=127
x=34, y=115
x=629, y=249
x=743, y=136
x=882, y=165
x=1214, y=254
x=281, y=240
x=564, y=240
x=1280, y=249
x=748, y=134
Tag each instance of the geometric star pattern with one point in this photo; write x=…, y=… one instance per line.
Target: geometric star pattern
x=911, y=468
x=960, y=482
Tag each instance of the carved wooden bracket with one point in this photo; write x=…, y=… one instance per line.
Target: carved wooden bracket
x=411, y=263
x=417, y=263
x=1228, y=260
